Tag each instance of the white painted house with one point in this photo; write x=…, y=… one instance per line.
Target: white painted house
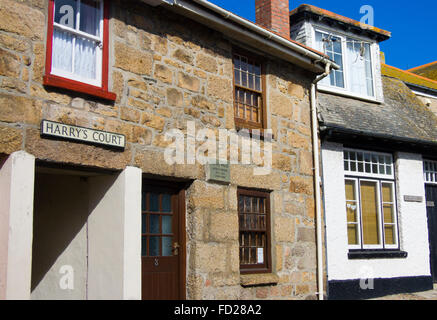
x=376, y=138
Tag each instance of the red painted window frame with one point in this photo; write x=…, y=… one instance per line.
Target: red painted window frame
x=61, y=82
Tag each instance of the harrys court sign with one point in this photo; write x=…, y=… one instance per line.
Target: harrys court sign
x=75, y=133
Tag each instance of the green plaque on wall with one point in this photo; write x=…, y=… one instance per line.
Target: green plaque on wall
x=218, y=173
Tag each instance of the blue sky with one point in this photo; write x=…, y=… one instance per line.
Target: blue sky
x=413, y=24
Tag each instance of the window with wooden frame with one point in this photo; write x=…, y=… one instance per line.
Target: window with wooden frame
x=254, y=231
x=249, y=99
x=370, y=200
x=77, y=46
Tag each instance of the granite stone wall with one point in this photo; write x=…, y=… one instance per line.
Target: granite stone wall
x=167, y=70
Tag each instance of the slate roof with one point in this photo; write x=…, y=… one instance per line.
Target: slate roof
x=401, y=117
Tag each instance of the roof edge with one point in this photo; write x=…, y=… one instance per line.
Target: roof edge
x=422, y=66
x=407, y=76
x=382, y=34
x=326, y=126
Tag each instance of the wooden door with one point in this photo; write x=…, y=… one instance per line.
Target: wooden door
x=431, y=206
x=163, y=256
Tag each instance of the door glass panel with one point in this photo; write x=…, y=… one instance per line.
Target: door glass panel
x=154, y=202
x=166, y=246
x=166, y=203
x=166, y=224
x=154, y=247
x=369, y=208
x=154, y=223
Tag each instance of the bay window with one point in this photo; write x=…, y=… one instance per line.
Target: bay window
x=370, y=200
x=354, y=57
x=77, y=46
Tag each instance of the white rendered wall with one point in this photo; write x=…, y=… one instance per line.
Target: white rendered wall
x=16, y=223
x=412, y=221
x=114, y=236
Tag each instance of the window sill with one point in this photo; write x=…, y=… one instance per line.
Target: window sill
x=59, y=82
x=347, y=94
x=260, y=279
x=376, y=254
x=262, y=136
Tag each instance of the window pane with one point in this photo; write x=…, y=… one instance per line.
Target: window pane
x=154, y=246
x=369, y=212
x=389, y=234
x=65, y=13
x=166, y=203
x=85, y=58
x=62, y=58
x=237, y=77
x=359, y=67
x=167, y=246
x=350, y=190
x=387, y=192
x=154, y=202
x=388, y=213
x=258, y=83
x=352, y=234
x=90, y=17
x=154, y=223
x=166, y=224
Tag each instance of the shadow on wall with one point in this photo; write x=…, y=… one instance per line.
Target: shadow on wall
x=62, y=206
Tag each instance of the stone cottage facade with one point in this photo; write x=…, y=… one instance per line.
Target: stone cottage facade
x=84, y=219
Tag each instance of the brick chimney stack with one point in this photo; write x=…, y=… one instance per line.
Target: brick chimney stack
x=274, y=15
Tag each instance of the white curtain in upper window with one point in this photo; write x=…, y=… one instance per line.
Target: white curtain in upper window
x=85, y=58
x=62, y=50
x=359, y=66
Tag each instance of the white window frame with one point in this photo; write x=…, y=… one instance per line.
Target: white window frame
x=395, y=216
x=358, y=204
x=432, y=174
x=371, y=175
x=76, y=32
x=379, y=179
x=346, y=90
